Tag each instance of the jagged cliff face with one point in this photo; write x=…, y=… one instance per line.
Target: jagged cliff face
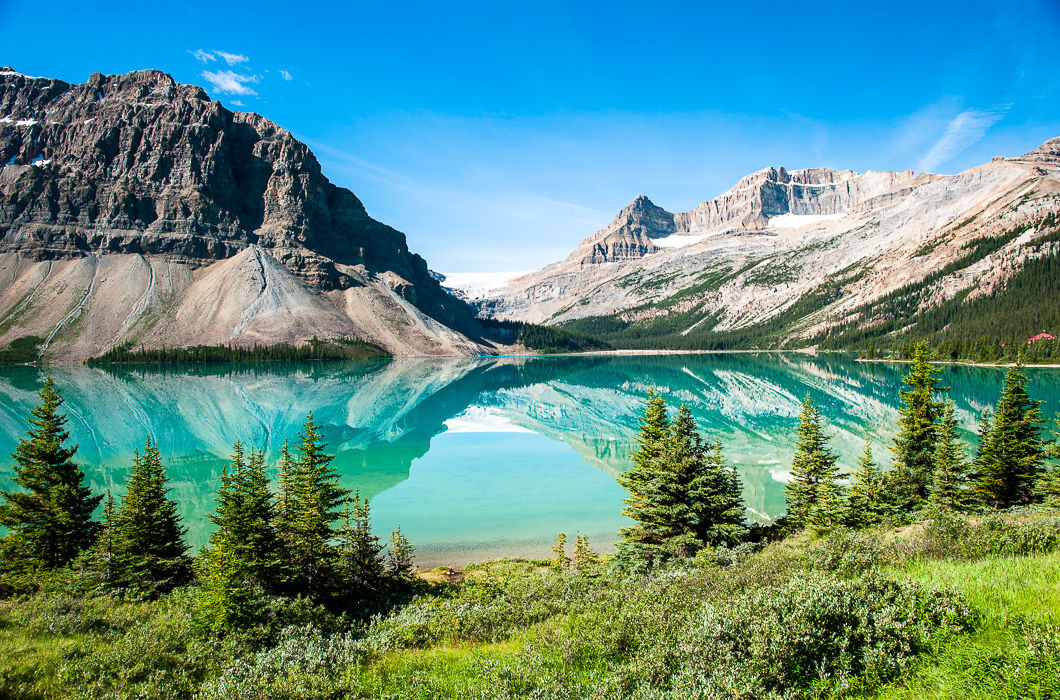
x=140, y=166
x=779, y=237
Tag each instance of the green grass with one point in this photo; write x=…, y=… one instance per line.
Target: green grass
x=1015, y=653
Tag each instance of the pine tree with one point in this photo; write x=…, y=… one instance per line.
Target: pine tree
x=1011, y=452
x=399, y=557
x=914, y=446
x=951, y=471
x=715, y=499
x=361, y=563
x=561, y=560
x=103, y=564
x=230, y=593
x=313, y=510
x=682, y=495
x=50, y=521
x=245, y=516
x=150, y=533
x=865, y=503
x=584, y=556
x=643, y=543
x=827, y=511
x=812, y=464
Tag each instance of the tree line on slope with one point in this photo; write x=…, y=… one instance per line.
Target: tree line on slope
x=686, y=501
x=307, y=539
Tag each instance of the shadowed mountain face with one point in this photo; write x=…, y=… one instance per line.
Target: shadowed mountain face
x=149, y=185
x=466, y=424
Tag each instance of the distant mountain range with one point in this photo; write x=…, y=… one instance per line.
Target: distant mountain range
x=815, y=257
x=135, y=210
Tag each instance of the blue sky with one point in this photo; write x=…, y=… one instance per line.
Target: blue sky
x=496, y=135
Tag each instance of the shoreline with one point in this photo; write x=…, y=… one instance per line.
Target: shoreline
x=964, y=363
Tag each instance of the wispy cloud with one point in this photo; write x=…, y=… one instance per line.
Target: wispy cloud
x=285, y=74
x=232, y=58
x=230, y=82
x=237, y=103
x=961, y=132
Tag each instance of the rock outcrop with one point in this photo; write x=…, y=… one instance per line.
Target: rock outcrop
x=142, y=174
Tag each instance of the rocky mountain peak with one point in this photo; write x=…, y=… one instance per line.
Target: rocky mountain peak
x=141, y=164
x=1048, y=152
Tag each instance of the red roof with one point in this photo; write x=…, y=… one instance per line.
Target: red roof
x=1040, y=336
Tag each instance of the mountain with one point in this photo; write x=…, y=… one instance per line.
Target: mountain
x=133, y=209
x=814, y=257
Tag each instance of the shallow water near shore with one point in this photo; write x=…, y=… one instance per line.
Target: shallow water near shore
x=479, y=458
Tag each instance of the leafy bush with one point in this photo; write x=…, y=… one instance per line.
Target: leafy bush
x=304, y=663
x=816, y=634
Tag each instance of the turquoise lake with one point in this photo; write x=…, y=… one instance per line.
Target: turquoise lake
x=479, y=458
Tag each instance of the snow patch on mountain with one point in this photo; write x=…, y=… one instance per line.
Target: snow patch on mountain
x=476, y=285
x=799, y=220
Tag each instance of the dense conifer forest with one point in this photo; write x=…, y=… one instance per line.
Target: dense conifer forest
x=933, y=578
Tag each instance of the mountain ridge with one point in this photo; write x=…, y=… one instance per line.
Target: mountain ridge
x=140, y=165
x=793, y=254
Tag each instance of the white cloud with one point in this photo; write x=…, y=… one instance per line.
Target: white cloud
x=226, y=81
x=237, y=103
x=286, y=75
x=232, y=58
x=204, y=56
x=961, y=132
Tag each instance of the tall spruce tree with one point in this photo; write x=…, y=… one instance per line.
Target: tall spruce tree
x=360, y=560
x=644, y=542
x=103, y=564
x=914, y=446
x=865, y=503
x=316, y=499
x=716, y=501
x=245, y=516
x=230, y=593
x=150, y=534
x=812, y=464
x=1011, y=451
x=682, y=495
x=948, y=487
x=827, y=512
x=399, y=556
x=50, y=521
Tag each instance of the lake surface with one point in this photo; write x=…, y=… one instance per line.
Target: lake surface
x=479, y=458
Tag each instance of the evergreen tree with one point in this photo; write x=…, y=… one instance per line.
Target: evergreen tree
x=682, y=495
x=865, y=503
x=361, y=564
x=1047, y=488
x=643, y=543
x=103, y=563
x=50, y=521
x=245, y=515
x=715, y=499
x=914, y=446
x=812, y=464
x=313, y=510
x=826, y=512
x=951, y=471
x=561, y=560
x=399, y=561
x=150, y=534
x=1011, y=452
x=230, y=593
x=584, y=556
